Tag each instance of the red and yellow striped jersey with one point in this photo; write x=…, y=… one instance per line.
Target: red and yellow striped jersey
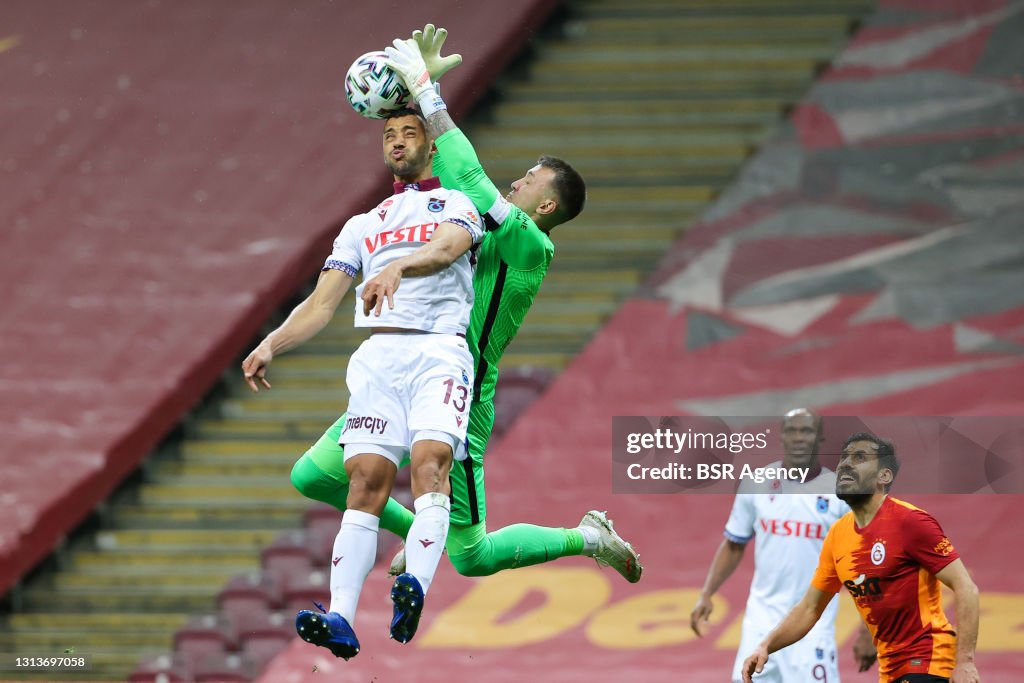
x=889, y=568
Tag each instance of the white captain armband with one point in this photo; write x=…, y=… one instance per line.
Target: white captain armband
x=497, y=214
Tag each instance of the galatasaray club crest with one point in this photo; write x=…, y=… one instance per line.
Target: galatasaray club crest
x=878, y=553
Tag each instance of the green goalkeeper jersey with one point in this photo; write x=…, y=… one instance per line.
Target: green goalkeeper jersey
x=511, y=261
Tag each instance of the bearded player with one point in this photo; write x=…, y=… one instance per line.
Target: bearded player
x=511, y=264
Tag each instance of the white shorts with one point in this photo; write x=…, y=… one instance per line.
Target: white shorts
x=407, y=387
x=811, y=660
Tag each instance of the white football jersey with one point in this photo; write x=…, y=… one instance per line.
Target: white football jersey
x=788, y=522
x=397, y=227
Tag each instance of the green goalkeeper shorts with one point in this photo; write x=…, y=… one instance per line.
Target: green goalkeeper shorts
x=469, y=501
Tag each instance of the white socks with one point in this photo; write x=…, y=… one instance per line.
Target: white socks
x=426, y=537
x=355, y=550
x=590, y=540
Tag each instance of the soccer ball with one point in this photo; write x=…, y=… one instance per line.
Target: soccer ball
x=373, y=89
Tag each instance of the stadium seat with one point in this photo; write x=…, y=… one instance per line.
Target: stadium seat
x=262, y=638
x=321, y=546
x=244, y=594
x=321, y=543
x=203, y=635
x=225, y=668
x=275, y=625
x=261, y=650
x=162, y=669
x=300, y=592
x=322, y=515
x=289, y=553
x=321, y=518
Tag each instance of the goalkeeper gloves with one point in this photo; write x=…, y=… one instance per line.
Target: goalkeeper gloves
x=405, y=60
x=430, y=41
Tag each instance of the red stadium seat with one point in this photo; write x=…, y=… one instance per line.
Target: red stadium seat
x=288, y=554
x=162, y=669
x=324, y=521
x=255, y=592
x=320, y=542
x=300, y=592
x=276, y=625
x=203, y=635
x=322, y=524
x=261, y=650
x=321, y=545
x=263, y=638
x=322, y=515
x=225, y=668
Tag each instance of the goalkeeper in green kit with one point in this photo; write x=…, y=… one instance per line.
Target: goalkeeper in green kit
x=511, y=263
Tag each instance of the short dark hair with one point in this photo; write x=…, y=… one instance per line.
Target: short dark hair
x=399, y=113
x=886, y=452
x=569, y=186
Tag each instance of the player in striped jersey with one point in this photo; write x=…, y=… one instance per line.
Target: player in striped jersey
x=890, y=556
x=511, y=263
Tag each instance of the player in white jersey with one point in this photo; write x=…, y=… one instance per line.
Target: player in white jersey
x=410, y=382
x=788, y=522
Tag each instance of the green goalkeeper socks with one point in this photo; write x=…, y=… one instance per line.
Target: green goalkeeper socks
x=474, y=552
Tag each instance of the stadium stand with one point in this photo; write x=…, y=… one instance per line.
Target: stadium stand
x=263, y=639
x=203, y=635
x=304, y=591
x=321, y=518
x=162, y=669
x=255, y=593
x=151, y=150
x=225, y=667
x=229, y=158
x=293, y=553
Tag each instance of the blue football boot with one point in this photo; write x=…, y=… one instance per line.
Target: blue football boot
x=330, y=630
x=407, y=596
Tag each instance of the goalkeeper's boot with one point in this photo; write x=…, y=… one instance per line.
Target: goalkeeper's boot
x=611, y=550
x=407, y=596
x=330, y=630
x=397, y=563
